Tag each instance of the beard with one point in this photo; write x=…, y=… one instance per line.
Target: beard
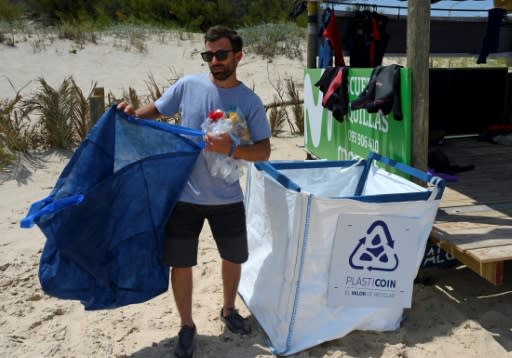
x=221, y=72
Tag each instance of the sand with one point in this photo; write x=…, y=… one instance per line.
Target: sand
x=455, y=313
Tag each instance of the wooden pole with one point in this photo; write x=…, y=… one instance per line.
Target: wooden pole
x=418, y=50
x=96, y=104
x=312, y=34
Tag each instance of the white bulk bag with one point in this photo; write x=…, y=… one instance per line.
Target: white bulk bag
x=334, y=247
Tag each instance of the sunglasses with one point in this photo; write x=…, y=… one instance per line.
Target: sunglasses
x=220, y=55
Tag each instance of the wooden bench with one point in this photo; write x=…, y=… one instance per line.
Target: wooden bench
x=479, y=236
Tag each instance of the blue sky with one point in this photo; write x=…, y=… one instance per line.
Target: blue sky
x=452, y=6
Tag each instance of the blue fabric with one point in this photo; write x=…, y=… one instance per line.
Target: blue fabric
x=105, y=219
x=325, y=52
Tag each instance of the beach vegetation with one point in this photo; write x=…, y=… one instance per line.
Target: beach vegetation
x=81, y=120
x=61, y=112
x=16, y=133
x=277, y=118
x=277, y=39
x=79, y=32
x=193, y=15
x=286, y=103
x=297, y=105
x=60, y=117
x=10, y=14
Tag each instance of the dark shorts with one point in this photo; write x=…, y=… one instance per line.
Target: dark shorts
x=227, y=223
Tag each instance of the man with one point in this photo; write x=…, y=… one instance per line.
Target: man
x=204, y=196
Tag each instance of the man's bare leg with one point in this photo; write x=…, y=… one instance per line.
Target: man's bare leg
x=230, y=279
x=181, y=279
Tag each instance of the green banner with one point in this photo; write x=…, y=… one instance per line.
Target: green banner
x=360, y=132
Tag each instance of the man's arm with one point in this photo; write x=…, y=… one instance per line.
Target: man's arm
x=256, y=152
x=147, y=111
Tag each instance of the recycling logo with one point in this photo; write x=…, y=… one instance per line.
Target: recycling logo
x=375, y=251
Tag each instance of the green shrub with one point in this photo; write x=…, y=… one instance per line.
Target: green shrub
x=270, y=40
x=11, y=12
x=195, y=15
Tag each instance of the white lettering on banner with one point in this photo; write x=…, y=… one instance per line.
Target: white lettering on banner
x=357, y=84
x=315, y=113
x=376, y=121
x=363, y=140
x=344, y=154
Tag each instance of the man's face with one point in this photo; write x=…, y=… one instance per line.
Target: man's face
x=222, y=69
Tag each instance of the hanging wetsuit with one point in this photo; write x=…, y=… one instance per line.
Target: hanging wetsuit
x=332, y=34
x=325, y=51
x=367, y=39
x=380, y=38
x=382, y=92
x=492, y=37
x=334, y=85
x=358, y=38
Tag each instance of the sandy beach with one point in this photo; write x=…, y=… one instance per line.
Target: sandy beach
x=455, y=313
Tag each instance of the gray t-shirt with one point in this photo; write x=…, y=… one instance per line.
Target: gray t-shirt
x=194, y=96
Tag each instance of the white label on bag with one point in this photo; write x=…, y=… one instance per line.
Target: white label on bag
x=373, y=261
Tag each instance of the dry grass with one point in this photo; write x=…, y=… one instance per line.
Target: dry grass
x=82, y=117
x=63, y=113
x=55, y=108
x=16, y=134
x=277, y=118
x=297, y=105
x=78, y=32
x=279, y=115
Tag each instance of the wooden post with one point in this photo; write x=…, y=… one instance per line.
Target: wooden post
x=96, y=104
x=418, y=50
x=312, y=33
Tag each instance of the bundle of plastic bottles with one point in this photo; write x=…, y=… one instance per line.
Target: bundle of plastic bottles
x=231, y=122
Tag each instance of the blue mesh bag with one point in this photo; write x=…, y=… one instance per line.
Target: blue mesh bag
x=104, y=221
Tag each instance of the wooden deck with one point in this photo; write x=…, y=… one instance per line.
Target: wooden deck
x=474, y=222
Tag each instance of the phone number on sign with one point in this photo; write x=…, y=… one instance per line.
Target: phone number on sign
x=363, y=140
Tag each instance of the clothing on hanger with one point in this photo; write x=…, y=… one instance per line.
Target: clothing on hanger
x=332, y=34
x=334, y=85
x=325, y=52
x=330, y=43
x=382, y=92
x=492, y=37
x=366, y=38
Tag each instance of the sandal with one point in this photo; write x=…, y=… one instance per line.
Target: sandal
x=235, y=322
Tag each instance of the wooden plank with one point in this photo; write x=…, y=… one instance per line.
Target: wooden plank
x=492, y=271
x=470, y=236
x=492, y=254
x=499, y=209
x=455, y=198
x=474, y=223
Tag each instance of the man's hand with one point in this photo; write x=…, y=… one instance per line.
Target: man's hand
x=126, y=108
x=219, y=143
x=147, y=111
